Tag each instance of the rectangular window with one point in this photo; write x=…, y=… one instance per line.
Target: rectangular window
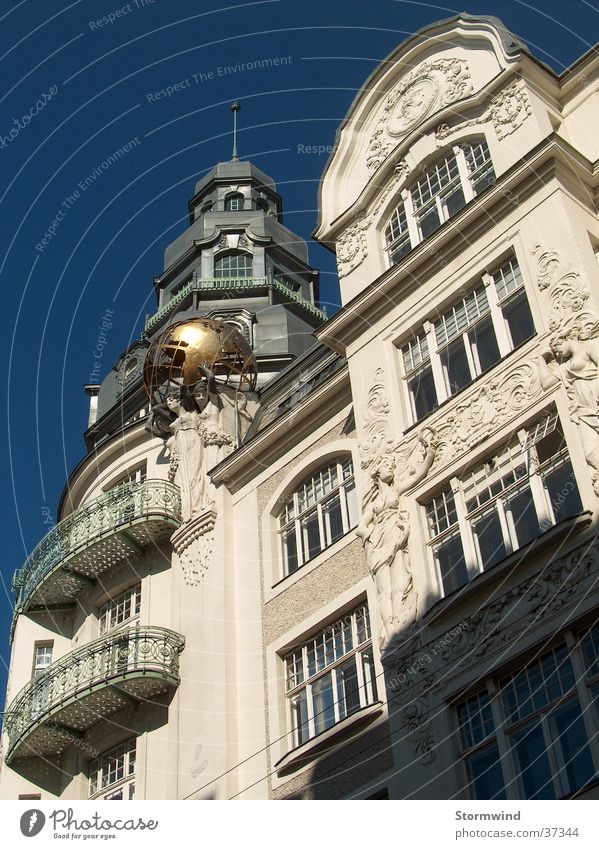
x=330, y=676
x=465, y=340
x=42, y=657
x=112, y=774
x=542, y=730
x=504, y=503
x=120, y=609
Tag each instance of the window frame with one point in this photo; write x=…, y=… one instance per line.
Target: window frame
x=290, y=518
x=367, y=689
x=111, y=606
x=234, y=197
x=457, y=323
x=126, y=782
x=458, y=169
x=505, y=728
x=521, y=447
x=228, y=255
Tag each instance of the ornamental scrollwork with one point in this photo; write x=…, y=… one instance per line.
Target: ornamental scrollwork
x=414, y=676
x=484, y=411
x=506, y=112
x=428, y=88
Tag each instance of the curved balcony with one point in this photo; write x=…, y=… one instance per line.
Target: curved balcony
x=118, y=525
x=86, y=686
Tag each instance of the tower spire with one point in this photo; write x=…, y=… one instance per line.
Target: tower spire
x=235, y=107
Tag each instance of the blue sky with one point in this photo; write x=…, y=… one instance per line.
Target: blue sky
x=79, y=81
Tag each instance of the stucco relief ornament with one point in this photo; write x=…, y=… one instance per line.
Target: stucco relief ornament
x=485, y=410
x=428, y=88
x=506, y=111
x=572, y=357
x=351, y=246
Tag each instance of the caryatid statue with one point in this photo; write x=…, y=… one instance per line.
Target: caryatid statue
x=384, y=529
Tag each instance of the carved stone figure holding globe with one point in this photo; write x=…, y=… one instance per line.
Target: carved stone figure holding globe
x=199, y=374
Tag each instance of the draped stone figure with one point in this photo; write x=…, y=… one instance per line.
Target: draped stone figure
x=384, y=529
x=197, y=442
x=573, y=359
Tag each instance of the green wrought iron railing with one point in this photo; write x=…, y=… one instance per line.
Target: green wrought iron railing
x=148, y=652
x=121, y=507
x=231, y=284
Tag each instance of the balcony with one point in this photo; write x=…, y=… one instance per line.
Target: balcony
x=118, y=525
x=87, y=685
x=232, y=284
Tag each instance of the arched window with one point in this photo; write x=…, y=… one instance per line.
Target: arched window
x=207, y=207
x=322, y=510
x=443, y=190
x=233, y=264
x=234, y=202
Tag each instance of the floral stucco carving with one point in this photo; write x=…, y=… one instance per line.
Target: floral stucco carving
x=484, y=411
x=506, y=112
x=428, y=88
x=415, y=675
x=352, y=246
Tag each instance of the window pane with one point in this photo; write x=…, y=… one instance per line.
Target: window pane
x=530, y=755
x=369, y=677
x=423, y=392
x=489, y=536
x=570, y=744
x=522, y=510
x=482, y=339
x=428, y=221
x=348, y=695
x=485, y=777
x=590, y=647
x=323, y=698
x=233, y=265
x=563, y=491
x=519, y=319
x=333, y=520
x=452, y=566
x=299, y=710
x=401, y=249
x=454, y=201
x=455, y=367
x=310, y=535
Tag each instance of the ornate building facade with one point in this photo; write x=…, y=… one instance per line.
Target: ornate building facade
x=350, y=557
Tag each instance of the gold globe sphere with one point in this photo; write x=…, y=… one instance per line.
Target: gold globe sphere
x=177, y=357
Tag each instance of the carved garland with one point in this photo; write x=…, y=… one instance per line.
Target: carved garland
x=506, y=111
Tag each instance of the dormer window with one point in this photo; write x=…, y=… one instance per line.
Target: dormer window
x=233, y=264
x=445, y=188
x=234, y=202
x=207, y=207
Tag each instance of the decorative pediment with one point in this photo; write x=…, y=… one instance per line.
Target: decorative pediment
x=428, y=88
